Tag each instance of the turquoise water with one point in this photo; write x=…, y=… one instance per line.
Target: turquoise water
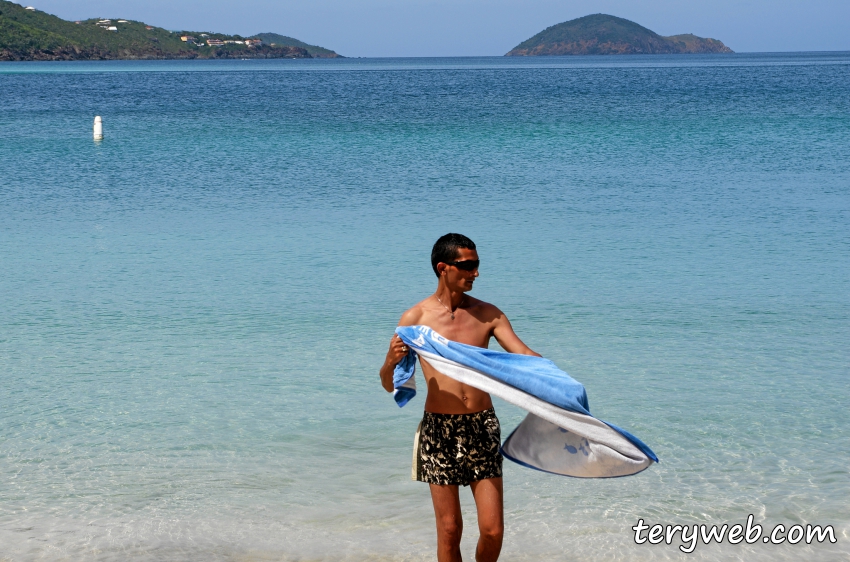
x=193, y=311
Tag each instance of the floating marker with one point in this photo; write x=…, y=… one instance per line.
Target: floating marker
x=98, y=128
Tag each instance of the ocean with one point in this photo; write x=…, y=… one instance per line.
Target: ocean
x=193, y=311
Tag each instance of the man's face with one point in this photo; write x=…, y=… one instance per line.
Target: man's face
x=458, y=279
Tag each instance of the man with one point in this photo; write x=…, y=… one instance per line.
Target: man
x=460, y=436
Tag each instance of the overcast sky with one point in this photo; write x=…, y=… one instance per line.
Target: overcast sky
x=419, y=28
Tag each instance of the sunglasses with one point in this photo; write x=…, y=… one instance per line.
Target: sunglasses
x=466, y=265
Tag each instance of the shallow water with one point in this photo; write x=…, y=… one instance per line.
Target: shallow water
x=194, y=310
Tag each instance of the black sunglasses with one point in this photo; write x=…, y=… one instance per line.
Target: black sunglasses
x=466, y=265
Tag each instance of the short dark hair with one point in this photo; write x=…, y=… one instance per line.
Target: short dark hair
x=446, y=248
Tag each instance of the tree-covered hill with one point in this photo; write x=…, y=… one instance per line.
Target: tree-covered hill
x=601, y=34
x=314, y=50
x=27, y=34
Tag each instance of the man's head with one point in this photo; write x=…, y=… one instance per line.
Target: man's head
x=455, y=257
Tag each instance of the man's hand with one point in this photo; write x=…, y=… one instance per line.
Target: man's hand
x=395, y=354
x=397, y=350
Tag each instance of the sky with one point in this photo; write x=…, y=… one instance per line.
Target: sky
x=423, y=28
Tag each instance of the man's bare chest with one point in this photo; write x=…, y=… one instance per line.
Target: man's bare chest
x=465, y=328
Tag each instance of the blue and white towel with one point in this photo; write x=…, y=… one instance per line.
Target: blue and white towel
x=558, y=435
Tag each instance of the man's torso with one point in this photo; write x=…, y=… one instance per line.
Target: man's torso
x=472, y=325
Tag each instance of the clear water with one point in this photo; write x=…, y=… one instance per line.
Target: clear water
x=193, y=311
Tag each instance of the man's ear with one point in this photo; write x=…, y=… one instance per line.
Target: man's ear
x=441, y=268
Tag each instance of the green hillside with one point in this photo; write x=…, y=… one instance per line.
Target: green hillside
x=314, y=50
x=601, y=34
x=36, y=35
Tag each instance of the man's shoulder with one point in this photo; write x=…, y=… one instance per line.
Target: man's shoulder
x=472, y=302
x=484, y=311
x=413, y=315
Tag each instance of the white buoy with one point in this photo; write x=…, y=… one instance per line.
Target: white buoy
x=98, y=128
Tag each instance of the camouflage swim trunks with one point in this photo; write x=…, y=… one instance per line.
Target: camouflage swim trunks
x=456, y=449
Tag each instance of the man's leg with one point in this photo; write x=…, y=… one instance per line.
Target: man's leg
x=491, y=523
x=449, y=522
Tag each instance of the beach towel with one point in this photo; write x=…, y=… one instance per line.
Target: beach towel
x=559, y=435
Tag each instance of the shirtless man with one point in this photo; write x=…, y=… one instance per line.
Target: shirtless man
x=460, y=436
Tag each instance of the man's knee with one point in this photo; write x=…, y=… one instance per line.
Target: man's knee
x=492, y=531
x=450, y=529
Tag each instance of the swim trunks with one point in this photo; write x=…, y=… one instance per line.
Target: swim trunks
x=456, y=449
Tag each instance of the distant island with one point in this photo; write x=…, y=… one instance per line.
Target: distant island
x=601, y=34
x=27, y=34
x=315, y=51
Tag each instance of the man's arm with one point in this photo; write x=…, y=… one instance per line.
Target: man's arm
x=397, y=350
x=510, y=342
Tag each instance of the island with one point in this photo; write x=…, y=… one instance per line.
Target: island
x=27, y=34
x=315, y=51
x=601, y=34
